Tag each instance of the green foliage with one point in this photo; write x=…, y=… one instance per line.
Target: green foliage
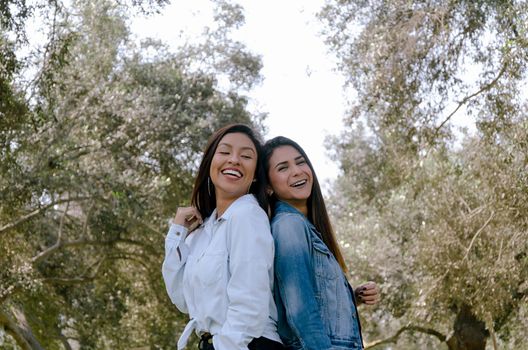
x=97, y=152
x=434, y=215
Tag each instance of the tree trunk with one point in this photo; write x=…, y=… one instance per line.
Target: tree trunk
x=19, y=329
x=470, y=333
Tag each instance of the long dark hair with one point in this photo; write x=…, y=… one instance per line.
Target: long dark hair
x=317, y=213
x=203, y=196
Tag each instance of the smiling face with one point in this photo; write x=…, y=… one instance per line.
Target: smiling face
x=233, y=166
x=290, y=176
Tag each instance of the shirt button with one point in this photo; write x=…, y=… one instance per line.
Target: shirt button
x=178, y=233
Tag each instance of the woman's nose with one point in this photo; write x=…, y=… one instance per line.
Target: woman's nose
x=234, y=158
x=296, y=170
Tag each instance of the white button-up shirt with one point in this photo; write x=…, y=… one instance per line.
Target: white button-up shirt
x=222, y=276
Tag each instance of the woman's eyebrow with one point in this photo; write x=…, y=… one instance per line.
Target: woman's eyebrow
x=285, y=162
x=248, y=148
x=242, y=148
x=281, y=163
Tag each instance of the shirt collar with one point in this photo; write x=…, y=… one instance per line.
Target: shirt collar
x=244, y=200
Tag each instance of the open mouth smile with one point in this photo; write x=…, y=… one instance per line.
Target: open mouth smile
x=232, y=172
x=299, y=183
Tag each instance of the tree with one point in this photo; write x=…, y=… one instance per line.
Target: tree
x=431, y=212
x=96, y=156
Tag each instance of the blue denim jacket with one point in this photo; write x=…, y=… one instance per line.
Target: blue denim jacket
x=315, y=302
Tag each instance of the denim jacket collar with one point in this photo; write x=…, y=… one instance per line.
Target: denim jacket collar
x=283, y=207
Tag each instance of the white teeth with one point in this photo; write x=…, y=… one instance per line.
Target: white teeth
x=299, y=183
x=232, y=172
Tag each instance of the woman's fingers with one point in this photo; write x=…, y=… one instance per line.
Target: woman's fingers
x=368, y=293
x=194, y=221
x=189, y=217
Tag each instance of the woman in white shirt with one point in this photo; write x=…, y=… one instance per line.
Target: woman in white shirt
x=218, y=264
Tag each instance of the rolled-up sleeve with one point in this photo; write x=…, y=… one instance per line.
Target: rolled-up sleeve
x=295, y=280
x=176, y=252
x=249, y=287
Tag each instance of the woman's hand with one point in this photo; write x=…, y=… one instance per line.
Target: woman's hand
x=189, y=217
x=367, y=293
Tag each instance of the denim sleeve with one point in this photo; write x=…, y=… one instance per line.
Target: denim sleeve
x=295, y=276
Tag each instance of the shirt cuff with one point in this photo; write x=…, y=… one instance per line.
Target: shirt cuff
x=177, y=232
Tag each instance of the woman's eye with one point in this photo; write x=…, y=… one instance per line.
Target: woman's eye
x=245, y=156
x=281, y=168
x=223, y=152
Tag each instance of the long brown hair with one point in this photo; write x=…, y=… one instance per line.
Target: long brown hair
x=203, y=196
x=317, y=213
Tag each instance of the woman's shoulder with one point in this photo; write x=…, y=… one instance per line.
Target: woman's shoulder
x=247, y=205
x=246, y=212
x=289, y=218
x=247, y=216
x=289, y=224
x=291, y=234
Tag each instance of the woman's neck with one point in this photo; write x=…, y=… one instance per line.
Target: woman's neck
x=222, y=204
x=300, y=205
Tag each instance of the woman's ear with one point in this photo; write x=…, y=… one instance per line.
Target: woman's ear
x=269, y=191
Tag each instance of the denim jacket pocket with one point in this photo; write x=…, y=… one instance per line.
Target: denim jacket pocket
x=353, y=343
x=323, y=261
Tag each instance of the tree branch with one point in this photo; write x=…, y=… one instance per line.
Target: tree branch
x=64, y=341
x=476, y=235
x=42, y=255
x=147, y=225
x=65, y=281
x=25, y=328
x=77, y=280
x=469, y=97
x=410, y=328
x=84, y=242
x=84, y=278
x=131, y=257
x=19, y=329
x=35, y=212
x=12, y=329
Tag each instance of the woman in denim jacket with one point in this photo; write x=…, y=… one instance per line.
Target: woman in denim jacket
x=316, y=304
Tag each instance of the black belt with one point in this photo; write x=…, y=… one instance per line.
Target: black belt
x=206, y=343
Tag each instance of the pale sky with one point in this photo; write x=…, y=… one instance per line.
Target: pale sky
x=301, y=93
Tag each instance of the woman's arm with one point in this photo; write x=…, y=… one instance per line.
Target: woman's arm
x=295, y=278
x=176, y=252
x=250, y=249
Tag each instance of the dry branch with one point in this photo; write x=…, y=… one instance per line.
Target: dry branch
x=411, y=328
